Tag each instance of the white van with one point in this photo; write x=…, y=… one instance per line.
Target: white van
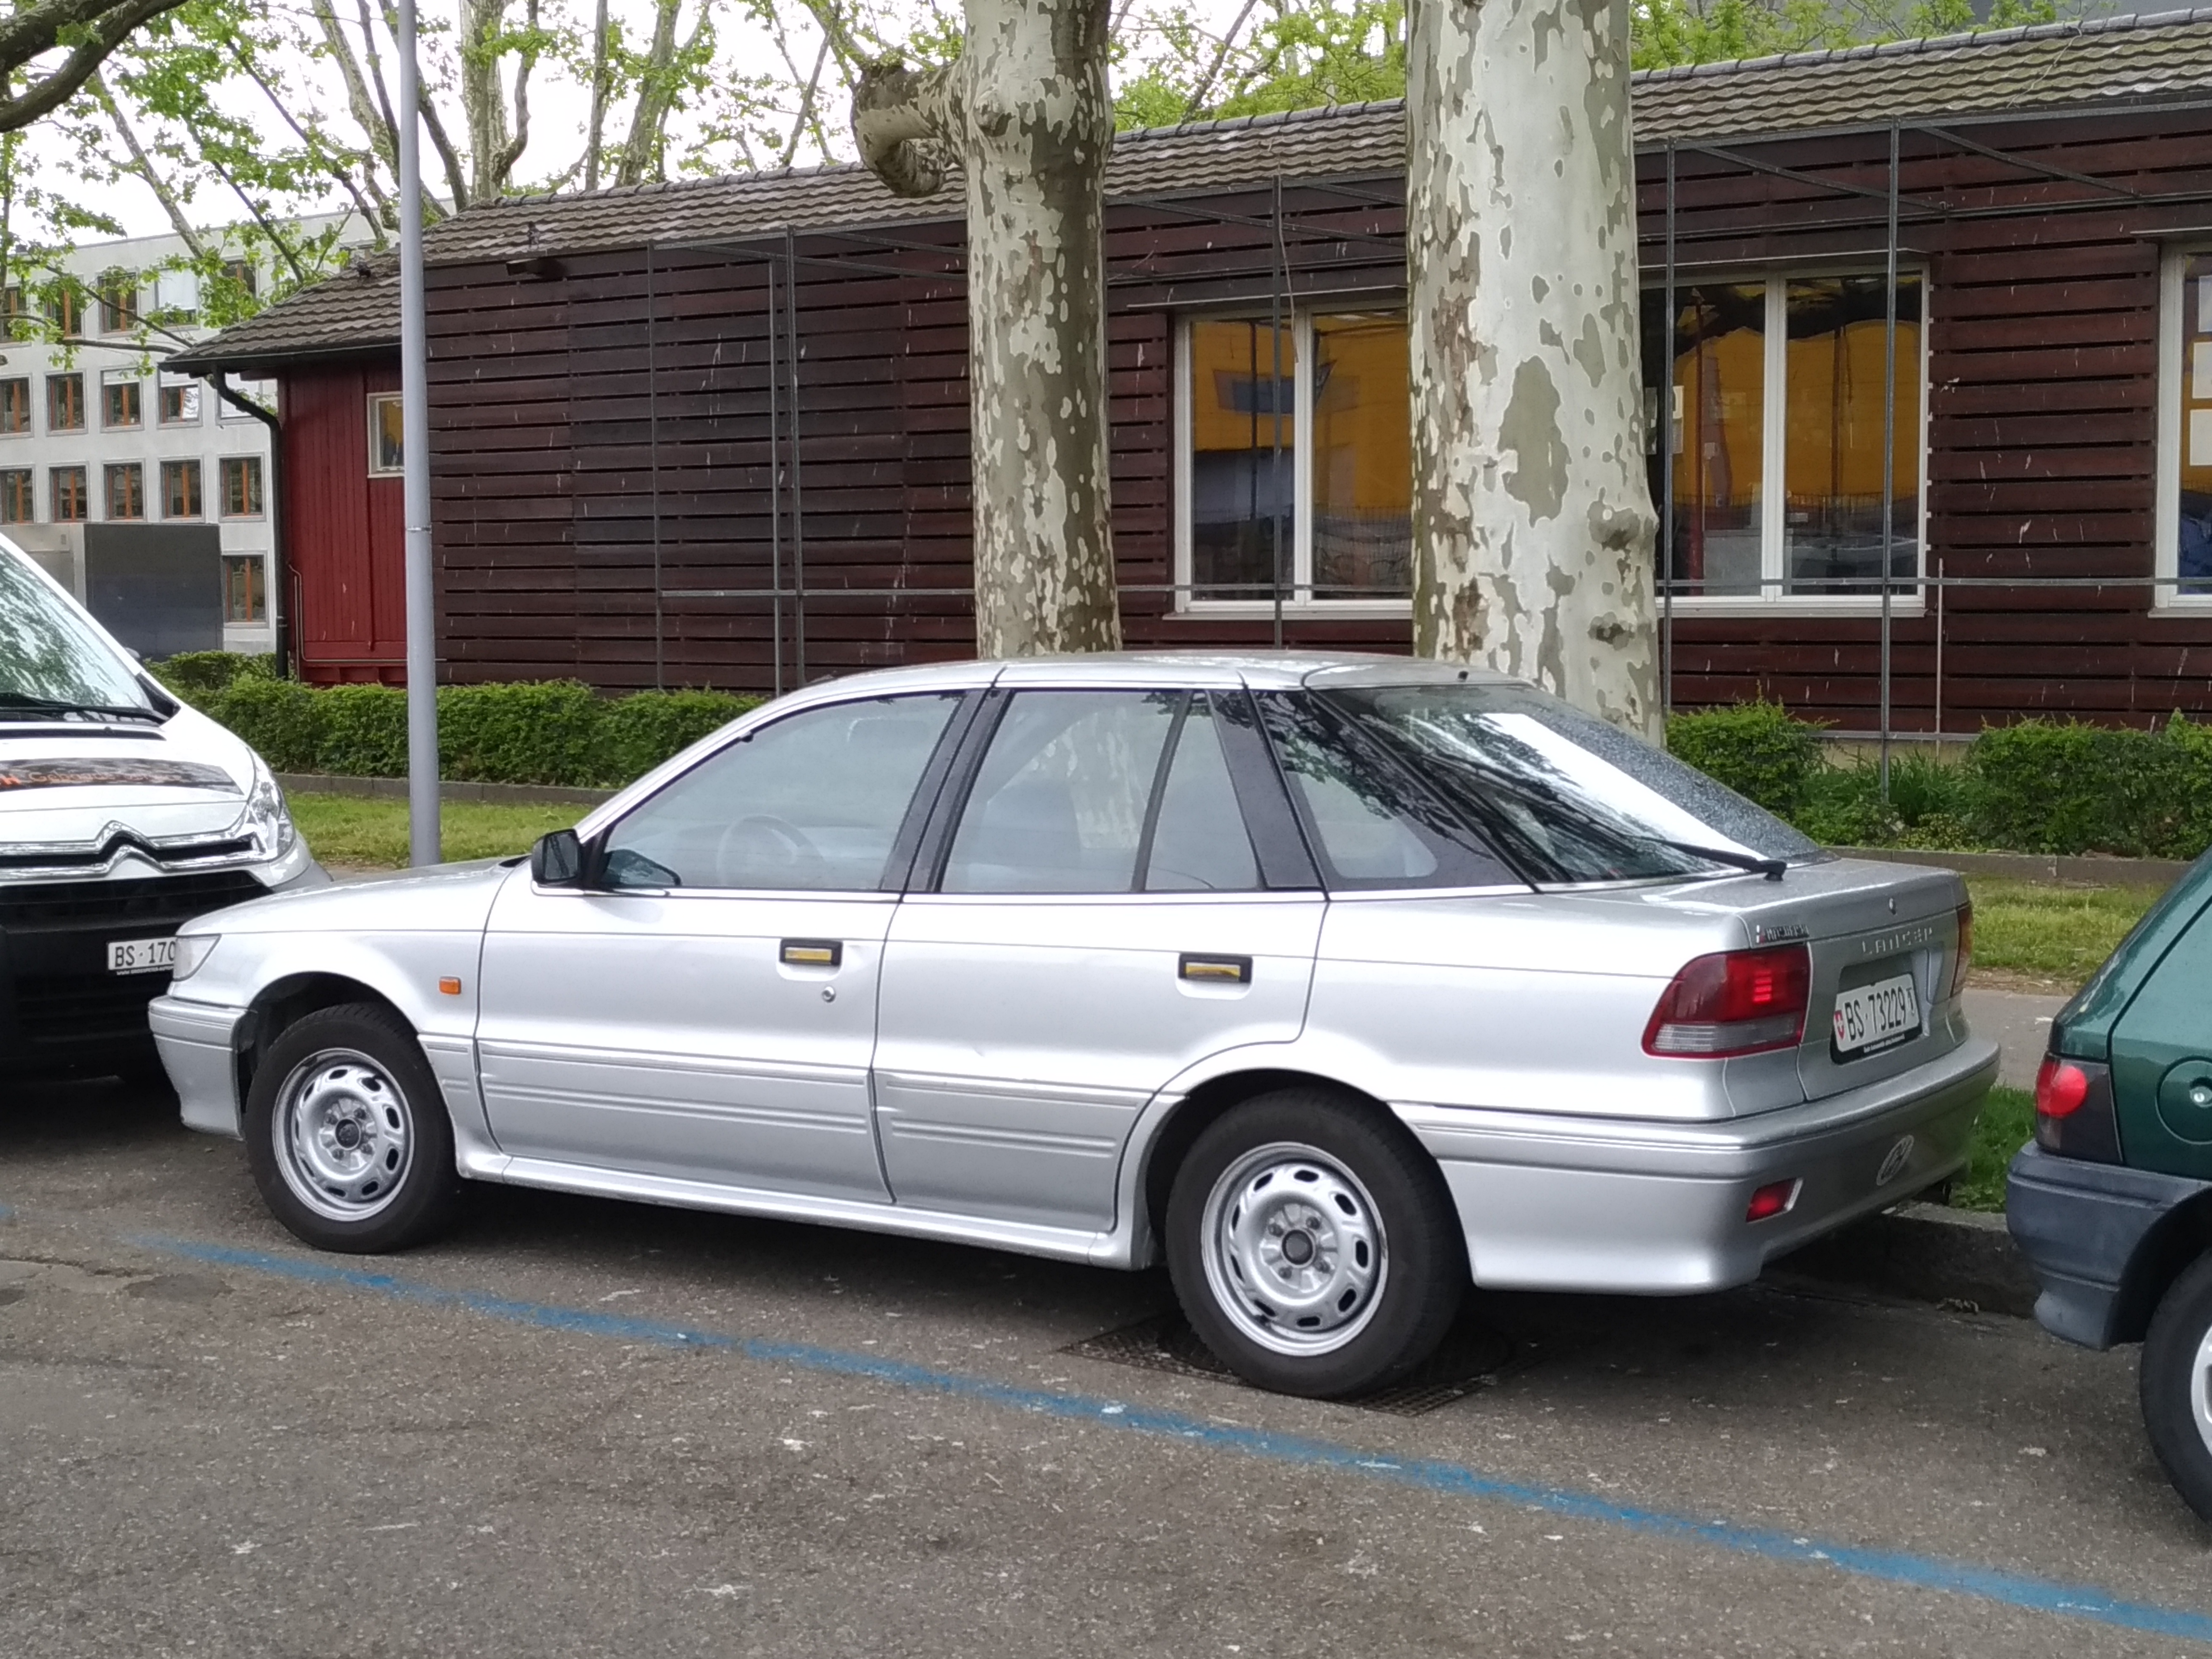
x=123, y=813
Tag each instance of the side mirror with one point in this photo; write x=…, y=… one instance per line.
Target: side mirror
x=557, y=860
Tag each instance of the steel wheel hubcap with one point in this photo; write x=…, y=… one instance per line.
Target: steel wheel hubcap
x=2200, y=1388
x=1294, y=1249
x=342, y=1135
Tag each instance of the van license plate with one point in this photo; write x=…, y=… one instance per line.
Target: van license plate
x=141, y=956
x=1867, y=1014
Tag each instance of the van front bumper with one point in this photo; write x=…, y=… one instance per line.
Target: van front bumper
x=1593, y=1204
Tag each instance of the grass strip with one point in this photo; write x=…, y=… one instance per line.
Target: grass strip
x=2006, y=1125
x=366, y=832
x=2049, y=931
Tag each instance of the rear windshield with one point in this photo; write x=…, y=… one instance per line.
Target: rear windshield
x=50, y=660
x=1557, y=795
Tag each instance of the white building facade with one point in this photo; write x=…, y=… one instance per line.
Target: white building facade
x=98, y=432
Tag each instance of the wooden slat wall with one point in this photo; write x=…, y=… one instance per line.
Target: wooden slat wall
x=555, y=444
x=2044, y=301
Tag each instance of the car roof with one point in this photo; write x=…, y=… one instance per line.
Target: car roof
x=1266, y=670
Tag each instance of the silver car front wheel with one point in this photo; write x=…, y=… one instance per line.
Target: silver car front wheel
x=347, y=1132
x=1295, y=1251
x=343, y=1135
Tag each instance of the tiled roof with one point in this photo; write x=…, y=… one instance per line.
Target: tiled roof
x=2109, y=61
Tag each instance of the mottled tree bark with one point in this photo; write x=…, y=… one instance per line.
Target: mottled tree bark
x=1532, y=516
x=1026, y=116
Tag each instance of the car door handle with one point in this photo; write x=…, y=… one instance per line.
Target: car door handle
x=813, y=953
x=1206, y=969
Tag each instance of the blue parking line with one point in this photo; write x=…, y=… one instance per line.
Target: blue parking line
x=1451, y=1479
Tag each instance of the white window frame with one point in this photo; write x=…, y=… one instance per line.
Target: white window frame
x=1906, y=598
x=375, y=398
x=261, y=389
x=2165, y=562
x=1298, y=598
x=166, y=382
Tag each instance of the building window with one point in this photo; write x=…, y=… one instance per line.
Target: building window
x=120, y=405
x=243, y=273
x=65, y=308
x=260, y=392
x=66, y=494
x=126, y=491
x=181, y=400
x=14, y=318
x=1295, y=463
x=245, y=595
x=66, y=403
x=17, y=504
x=2184, y=431
x=386, y=453
x=118, y=307
x=1782, y=378
x=241, y=487
x=15, y=406
x=176, y=295
x=180, y=489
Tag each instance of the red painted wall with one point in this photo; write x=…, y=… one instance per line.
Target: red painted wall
x=344, y=530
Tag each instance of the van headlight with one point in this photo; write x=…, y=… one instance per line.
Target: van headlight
x=267, y=820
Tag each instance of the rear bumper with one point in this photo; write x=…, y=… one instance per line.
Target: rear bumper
x=2080, y=1224
x=1599, y=1205
x=197, y=1041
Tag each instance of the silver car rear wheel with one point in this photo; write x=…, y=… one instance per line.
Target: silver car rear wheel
x=342, y=1133
x=1295, y=1251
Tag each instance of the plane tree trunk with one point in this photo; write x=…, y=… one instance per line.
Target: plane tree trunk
x=1532, y=525
x=1026, y=116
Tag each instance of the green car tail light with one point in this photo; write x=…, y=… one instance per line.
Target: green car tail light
x=2074, y=1115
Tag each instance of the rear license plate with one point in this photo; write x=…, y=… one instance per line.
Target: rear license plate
x=141, y=956
x=1869, y=1014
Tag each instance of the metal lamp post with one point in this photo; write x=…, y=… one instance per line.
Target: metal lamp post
x=423, y=840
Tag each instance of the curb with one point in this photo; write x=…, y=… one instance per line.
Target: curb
x=1961, y=1259
x=2033, y=866
x=486, y=794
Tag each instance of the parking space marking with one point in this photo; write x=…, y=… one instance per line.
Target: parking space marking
x=1451, y=1479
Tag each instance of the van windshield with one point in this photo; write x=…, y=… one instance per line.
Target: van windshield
x=1561, y=796
x=51, y=662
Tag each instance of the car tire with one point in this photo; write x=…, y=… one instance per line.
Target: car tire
x=1313, y=1245
x=2176, y=1384
x=347, y=1133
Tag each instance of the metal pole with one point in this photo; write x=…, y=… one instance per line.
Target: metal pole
x=797, y=477
x=768, y=318
x=1889, y=446
x=1939, y=655
x=653, y=445
x=1667, y=467
x=1275, y=403
x=423, y=840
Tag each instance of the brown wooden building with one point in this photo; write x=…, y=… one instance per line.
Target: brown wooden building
x=1950, y=298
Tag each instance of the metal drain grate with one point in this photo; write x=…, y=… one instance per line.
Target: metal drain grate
x=1471, y=1358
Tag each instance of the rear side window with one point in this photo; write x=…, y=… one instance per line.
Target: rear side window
x=1368, y=818
x=1102, y=792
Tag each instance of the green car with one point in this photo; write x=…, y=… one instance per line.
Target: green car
x=2112, y=1203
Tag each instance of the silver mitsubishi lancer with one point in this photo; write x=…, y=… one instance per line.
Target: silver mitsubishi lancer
x=1338, y=983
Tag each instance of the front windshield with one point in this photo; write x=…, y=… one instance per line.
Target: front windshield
x=1562, y=796
x=49, y=658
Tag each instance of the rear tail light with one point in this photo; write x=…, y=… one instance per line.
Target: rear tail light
x=2074, y=1113
x=1965, y=959
x=1733, y=1002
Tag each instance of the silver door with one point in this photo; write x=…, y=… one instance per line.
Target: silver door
x=705, y=1009
x=1098, y=929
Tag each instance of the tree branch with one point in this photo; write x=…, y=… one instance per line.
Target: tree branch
x=178, y=219
x=902, y=122
x=1195, y=106
x=97, y=28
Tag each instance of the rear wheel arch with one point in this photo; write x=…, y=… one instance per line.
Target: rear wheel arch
x=2177, y=1239
x=1171, y=1141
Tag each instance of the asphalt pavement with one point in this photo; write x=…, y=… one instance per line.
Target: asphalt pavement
x=586, y=1428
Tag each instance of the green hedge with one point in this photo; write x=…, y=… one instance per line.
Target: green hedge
x=552, y=731
x=2037, y=786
